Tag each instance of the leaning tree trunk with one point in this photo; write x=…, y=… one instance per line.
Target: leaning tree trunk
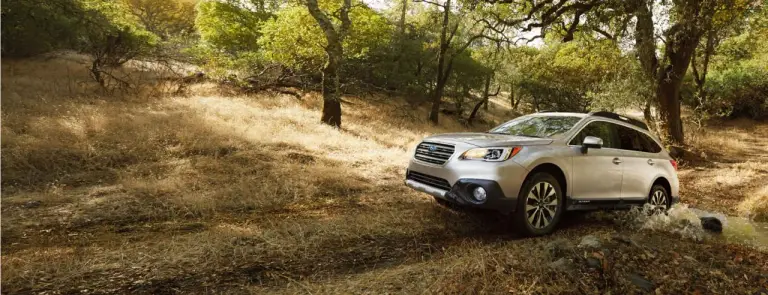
x=331, y=94
x=483, y=101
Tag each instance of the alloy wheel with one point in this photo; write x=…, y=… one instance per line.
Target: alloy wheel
x=541, y=205
x=659, y=200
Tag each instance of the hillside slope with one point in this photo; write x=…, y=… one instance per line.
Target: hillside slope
x=211, y=192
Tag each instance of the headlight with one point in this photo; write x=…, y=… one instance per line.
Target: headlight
x=490, y=154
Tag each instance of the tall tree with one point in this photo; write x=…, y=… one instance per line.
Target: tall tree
x=447, y=52
x=688, y=21
x=443, y=70
x=334, y=35
x=693, y=19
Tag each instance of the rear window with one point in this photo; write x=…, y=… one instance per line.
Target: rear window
x=634, y=140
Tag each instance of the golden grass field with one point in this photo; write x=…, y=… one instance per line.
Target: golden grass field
x=218, y=192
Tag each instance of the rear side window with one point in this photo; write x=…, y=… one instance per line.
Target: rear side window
x=630, y=139
x=650, y=145
x=603, y=130
x=633, y=140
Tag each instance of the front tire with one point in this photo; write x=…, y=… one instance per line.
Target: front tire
x=539, y=205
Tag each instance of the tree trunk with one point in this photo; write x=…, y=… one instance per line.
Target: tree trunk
x=401, y=25
x=645, y=47
x=334, y=36
x=437, y=96
x=700, y=75
x=437, y=93
x=647, y=111
x=483, y=101
x=645, y=42
x=668, y=94
x=682, y=40
x=331, y=95
x=486, y=97
x=96, y=72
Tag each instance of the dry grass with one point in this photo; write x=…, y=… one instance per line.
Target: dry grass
x=733, y=174
x=148, y=193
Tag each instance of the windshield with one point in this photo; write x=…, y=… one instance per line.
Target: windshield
x=537, y=126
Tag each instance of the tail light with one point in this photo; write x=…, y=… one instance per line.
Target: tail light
x=674, y=164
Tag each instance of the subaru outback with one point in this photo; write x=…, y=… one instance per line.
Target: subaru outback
x=538, y=166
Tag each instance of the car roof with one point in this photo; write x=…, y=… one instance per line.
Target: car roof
x=613, y=117
x=559, y=114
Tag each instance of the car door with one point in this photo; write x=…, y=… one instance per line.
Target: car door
x=596, y=174
x=639, y=164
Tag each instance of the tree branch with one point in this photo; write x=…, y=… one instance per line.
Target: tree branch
x=604, y=33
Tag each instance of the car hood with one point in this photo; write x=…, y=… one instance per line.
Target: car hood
x=489, y=139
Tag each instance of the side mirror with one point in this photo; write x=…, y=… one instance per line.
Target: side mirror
x=591, y=142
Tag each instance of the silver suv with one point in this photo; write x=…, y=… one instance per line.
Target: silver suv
x=540, y=165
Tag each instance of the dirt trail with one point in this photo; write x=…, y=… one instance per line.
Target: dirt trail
x=733, y=177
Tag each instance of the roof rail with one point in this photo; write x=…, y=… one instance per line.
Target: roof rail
x=623, y=118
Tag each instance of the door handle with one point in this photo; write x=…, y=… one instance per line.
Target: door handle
x=650, y=162
x=616, y=161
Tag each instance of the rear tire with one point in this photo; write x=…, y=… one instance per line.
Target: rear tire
x=659, y=198
x=540, y=205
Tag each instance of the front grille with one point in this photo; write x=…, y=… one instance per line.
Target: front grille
x=429, y=180
x=435, y=153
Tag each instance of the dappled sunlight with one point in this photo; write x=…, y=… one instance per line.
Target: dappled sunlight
x=171, y=193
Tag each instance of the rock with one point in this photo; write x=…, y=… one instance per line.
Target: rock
x=625, y=240
x=641, y=282
x=595, y=263
x=32, y=204
x=712, y=224
x=589, y=241
x=558, y=249
x=561, y=264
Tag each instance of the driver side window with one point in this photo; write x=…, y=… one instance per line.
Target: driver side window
x=603, y=130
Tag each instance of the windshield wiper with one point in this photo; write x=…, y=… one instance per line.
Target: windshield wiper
x=507, y=133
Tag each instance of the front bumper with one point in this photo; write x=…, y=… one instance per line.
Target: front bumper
x=501, y=181
x=461, y=194
x=455, y=179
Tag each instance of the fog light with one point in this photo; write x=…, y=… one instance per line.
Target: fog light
x=479, y=193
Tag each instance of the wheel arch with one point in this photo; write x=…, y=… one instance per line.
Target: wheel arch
x=552, y=169
x=663, y=181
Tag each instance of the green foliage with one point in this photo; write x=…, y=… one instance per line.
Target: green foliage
x=229, y=26
x=103, y=29
x=36, y=26
x=737, y=84
x=294, y=39
x=113, y=34
x=575, y=76
x=165, y=18
x=740, y=90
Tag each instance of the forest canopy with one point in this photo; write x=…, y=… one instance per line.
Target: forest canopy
x=709, y=57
